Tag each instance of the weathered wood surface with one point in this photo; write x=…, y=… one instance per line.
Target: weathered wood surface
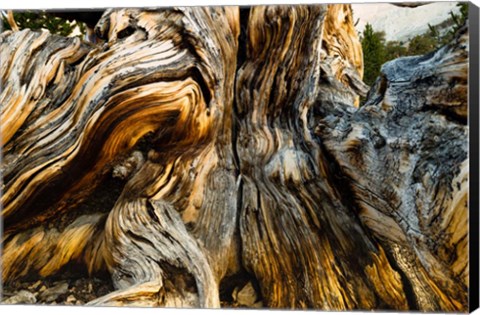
x=196, y=145
x=404, y=156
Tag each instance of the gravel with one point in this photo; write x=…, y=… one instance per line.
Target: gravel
x=63, y=292
x=82, y=291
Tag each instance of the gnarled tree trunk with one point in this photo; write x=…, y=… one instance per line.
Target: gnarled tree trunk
x=196, y=145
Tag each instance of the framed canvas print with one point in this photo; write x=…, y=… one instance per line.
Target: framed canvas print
x=319, y=156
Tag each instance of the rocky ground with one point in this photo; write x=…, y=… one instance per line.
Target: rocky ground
x=80, y=292
x=62, y=292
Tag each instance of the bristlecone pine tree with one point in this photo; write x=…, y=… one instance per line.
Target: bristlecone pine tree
x=196, y=145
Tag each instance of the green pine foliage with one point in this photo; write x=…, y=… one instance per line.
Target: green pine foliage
x=374, y=53
x=36, y=20
x=422, y=44
x=395, y=49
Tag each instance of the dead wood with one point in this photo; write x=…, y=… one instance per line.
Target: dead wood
x=201, y=144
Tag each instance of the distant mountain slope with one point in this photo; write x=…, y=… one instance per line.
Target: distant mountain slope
x=401, y=24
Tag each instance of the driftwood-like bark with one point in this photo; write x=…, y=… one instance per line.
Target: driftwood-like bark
x=197, y=145
x=404, y=156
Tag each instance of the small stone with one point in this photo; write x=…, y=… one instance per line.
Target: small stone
x=54, y=292
x=35, y=285
x=22, y=297
x=43, y=288
x=90, y=288
x=71, y=299
x=78, y=302
x=247, y=295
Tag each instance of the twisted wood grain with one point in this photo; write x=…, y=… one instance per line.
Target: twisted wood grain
x=198, y=144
